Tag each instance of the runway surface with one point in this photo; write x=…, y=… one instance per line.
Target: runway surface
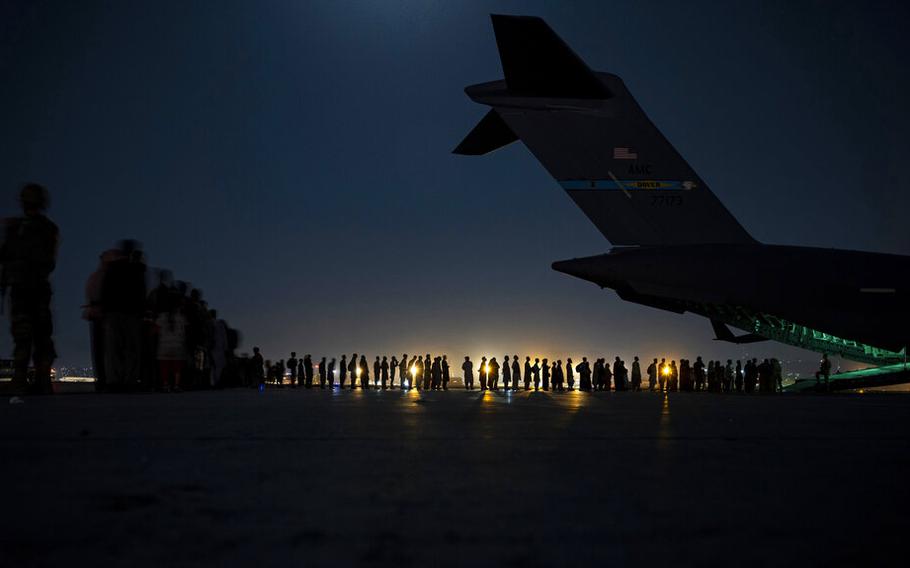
x=295, y=477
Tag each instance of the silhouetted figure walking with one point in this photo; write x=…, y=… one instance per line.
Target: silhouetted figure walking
x=29, y=255
x=123, y=303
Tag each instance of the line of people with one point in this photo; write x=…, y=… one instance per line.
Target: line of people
x=167, y=338
x=432, y=373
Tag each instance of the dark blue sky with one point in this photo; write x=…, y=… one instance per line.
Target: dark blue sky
x=293, y=159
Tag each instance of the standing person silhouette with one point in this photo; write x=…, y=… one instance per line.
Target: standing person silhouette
x=427, y=371
x=445, y=372
x=528, y=373
x=403, y=371
x=468, y=369
x=292, y=367
x=506, y=373
x=494, y=374
x=364, y=373
x=516, y=372
x=545, y=374
x=322, y=373
x=535, y=371
x=308, y=370
x=570, y=374
x=483, y=372
x=331, y=373
x=384, y=369
x=393, y=368
x=558, y=376
x=342, y=371
x=636, y=374
x=352, y=370
x=418, y=372
x=257, y=362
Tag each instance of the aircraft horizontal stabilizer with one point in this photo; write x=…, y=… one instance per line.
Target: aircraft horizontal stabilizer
x=537, y=63
x=490, y=134
x=723, y=333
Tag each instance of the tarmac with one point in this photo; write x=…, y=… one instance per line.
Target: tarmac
x=389, y=478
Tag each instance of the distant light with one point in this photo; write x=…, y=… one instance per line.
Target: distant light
x=666, y=370
x=358, y=371
x=414, y=370
x=486, y=368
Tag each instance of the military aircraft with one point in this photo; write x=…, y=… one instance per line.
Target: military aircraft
x=667, y=227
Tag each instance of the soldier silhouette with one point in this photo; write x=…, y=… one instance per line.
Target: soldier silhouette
x=28, y=256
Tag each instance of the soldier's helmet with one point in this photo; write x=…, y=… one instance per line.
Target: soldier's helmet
x=34, y=196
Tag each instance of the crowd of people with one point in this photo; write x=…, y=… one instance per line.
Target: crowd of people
x=433, y=373
x=167, y=338
x=170, y=339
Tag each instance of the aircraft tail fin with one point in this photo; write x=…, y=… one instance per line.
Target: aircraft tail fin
x=590, y=134
x=537, y=62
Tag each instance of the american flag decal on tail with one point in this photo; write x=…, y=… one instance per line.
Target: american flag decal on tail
x=624, y=154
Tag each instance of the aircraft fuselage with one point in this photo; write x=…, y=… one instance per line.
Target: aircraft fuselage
x=854, y=295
